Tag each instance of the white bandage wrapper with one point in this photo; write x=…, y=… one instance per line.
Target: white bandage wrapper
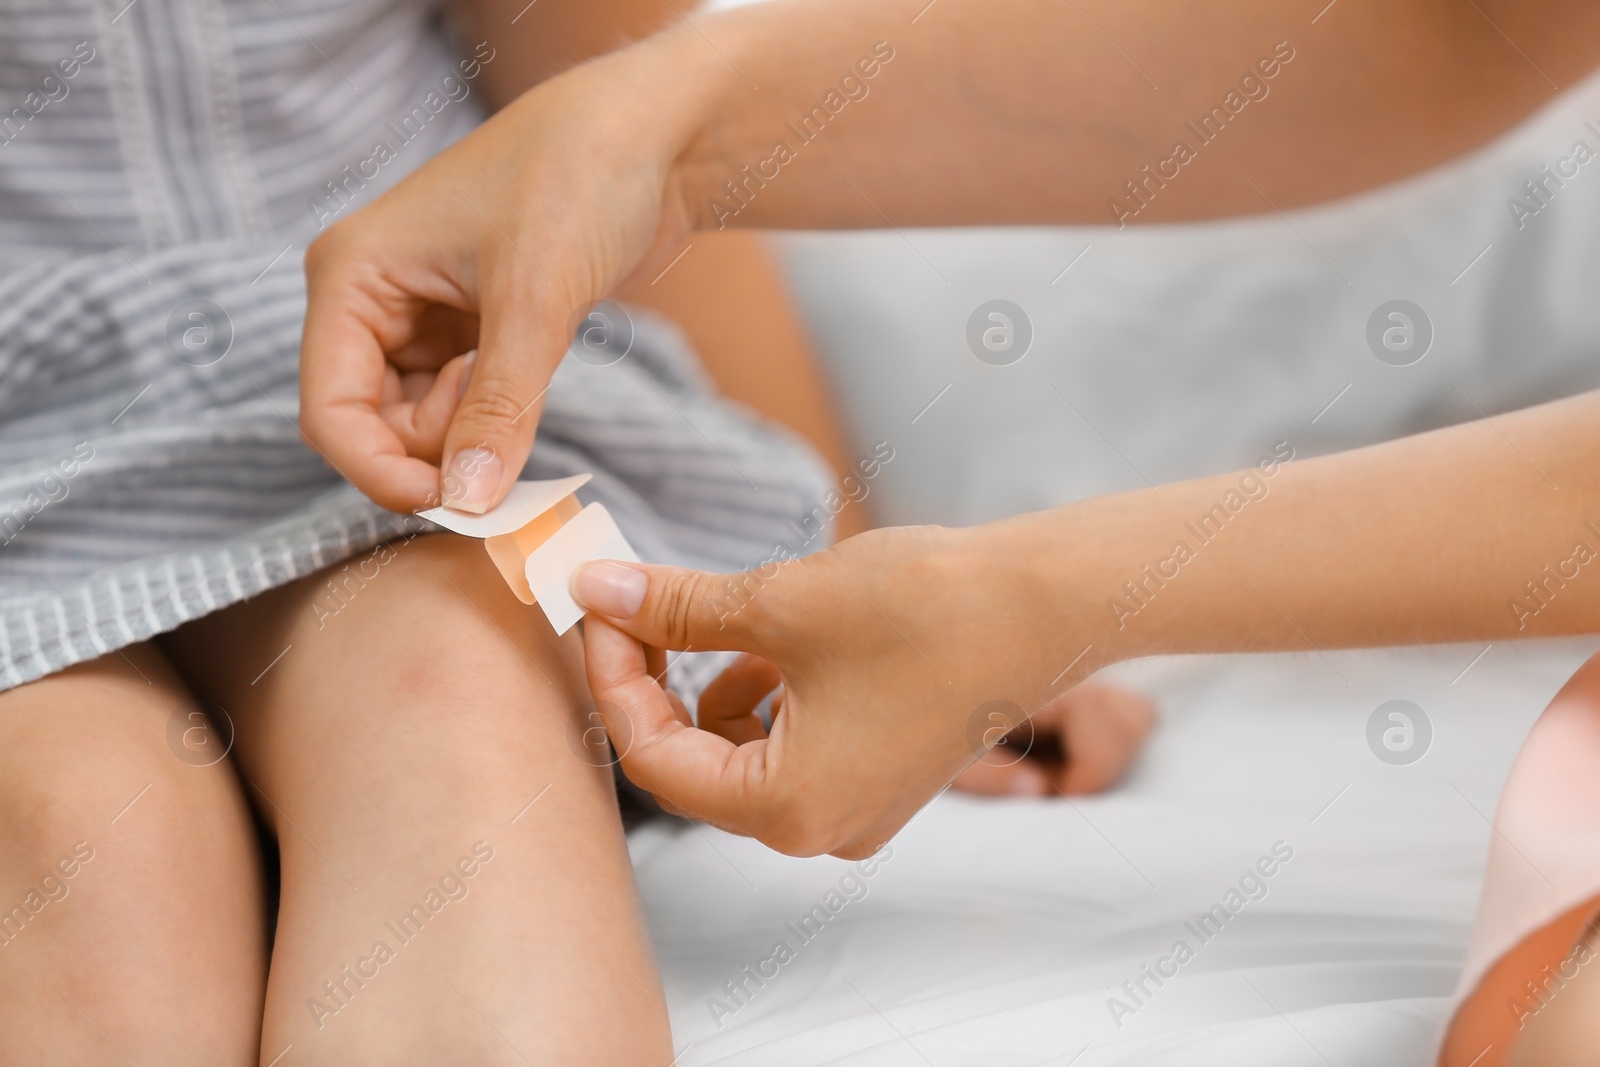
x=538, y=537
x=523, y=504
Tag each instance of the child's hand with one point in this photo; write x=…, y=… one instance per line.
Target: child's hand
x=1080, y=742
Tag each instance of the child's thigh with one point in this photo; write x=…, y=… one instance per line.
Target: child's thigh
x=414, y=725
x=130, y=880
x=1536, y=1000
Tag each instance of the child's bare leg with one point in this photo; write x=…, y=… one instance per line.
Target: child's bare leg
x=1566, y=1032
x=456, y=887
x=131, y=911
x=1533, y=950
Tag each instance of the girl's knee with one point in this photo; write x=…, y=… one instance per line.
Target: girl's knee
x=93, y=775
x=119, y=798
x=436, y=632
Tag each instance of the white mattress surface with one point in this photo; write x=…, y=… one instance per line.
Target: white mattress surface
x=997, y=933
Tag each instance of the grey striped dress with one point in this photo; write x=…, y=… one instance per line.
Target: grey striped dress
x=163, y=164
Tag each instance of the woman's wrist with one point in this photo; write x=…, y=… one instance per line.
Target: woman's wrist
x=1039, y=577
x=697, y=113
x=656, y=98
x=774, y=77
x=1085, y=580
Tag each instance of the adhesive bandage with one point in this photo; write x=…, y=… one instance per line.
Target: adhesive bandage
x=538, y=537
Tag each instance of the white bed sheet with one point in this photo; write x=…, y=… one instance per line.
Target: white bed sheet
x=998, y=931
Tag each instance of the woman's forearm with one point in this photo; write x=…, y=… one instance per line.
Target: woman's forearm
x=866, y=112
x=1484, y=531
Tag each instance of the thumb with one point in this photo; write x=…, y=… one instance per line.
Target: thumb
x=492, y=430
x=697, y=772
x=670, y=607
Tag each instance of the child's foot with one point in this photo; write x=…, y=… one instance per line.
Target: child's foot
x=1083, y=741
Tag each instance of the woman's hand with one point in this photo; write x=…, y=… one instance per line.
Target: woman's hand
x=904, y=654
x=500, y=244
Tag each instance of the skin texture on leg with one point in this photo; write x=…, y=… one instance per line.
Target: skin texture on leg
x=456, y=886
x=1565, y=1032
x=132, y=926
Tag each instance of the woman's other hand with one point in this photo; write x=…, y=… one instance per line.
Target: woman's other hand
x=886, y=650
x=500, y=244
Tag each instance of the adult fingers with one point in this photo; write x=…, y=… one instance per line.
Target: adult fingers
x=728, y=705
x=655, y=662
x=520, y=340
x=342, y=370
x=420, y=409
x=697, y=772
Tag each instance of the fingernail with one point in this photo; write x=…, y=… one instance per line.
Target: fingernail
x=613, y=589
x=470, y=480
x=466, y=374
x=1029, y=781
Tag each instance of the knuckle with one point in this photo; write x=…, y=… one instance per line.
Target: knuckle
x=320, y=251
x=323, y=247
x=739, y=602
x=756, y=607
x=491, y=400
x=333, y=247
x=674, y=609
